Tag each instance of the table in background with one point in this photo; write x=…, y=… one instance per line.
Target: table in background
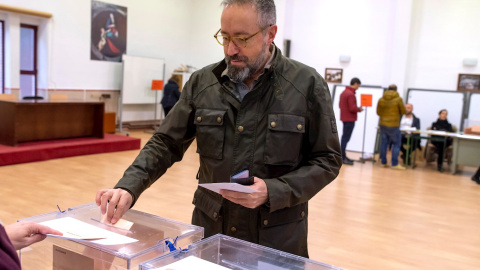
x=466, y=151
x=38, y=120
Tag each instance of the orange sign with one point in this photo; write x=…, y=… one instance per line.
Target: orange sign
x=365, y=100
x=157, y=84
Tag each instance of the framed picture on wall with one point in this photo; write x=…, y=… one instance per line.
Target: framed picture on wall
x=334, y=75
x=468, y=82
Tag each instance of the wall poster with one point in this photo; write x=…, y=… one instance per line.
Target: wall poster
x=109, y=32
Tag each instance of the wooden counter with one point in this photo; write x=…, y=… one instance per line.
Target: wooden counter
x=27, y=121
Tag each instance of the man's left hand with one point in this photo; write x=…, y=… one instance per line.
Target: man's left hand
x=249, y=200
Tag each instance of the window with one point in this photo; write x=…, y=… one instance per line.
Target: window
x=28, y=60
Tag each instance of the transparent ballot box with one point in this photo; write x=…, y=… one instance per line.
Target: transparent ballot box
x=147, y=239
x=221, y=252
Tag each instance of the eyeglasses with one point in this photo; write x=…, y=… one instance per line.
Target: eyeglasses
x=240, y=42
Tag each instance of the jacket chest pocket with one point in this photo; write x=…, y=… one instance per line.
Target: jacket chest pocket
x=210, y=132
x=284, y=139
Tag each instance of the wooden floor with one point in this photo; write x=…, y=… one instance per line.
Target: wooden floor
x=368, y=218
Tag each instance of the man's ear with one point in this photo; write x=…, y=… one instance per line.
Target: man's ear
x=272, y=32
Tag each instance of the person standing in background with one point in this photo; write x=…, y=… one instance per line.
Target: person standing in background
x=390, y=108
x=171, y=93
x=348, y=115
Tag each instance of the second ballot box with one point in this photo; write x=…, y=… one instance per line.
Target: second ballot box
x=221, y=252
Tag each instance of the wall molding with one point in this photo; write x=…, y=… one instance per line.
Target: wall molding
x=25, y=11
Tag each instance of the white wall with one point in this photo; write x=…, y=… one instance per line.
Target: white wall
x=172, y=30
x=418, y=44
x=443, y=34
x=321, y=31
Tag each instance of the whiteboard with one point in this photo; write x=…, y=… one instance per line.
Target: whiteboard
x=138, y=73
x=474, y=107
x=370, y=113
x=428, y=103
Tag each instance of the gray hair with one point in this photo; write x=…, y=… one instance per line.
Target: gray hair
x=266, y=10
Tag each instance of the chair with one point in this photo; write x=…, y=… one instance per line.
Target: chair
x=58, y=97
x=416, y=150
x=8, y=97
x=431, y=151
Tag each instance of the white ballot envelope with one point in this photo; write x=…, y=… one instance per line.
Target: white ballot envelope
x=216, y=187
x=74, y=229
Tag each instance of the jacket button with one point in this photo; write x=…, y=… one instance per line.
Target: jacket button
x=240, y=128
x=299, y=127
x=273, y=124
x=199, y=119
x=303, y=214
x=215, y=214
x=233, y=229
x=219, y=119
x=265, y=222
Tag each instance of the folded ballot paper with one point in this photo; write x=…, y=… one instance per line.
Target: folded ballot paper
x=238, y=182
x=192, y=262
x=74, y=229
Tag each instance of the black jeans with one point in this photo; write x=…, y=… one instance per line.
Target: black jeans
x=440, y=150
x=347, y=134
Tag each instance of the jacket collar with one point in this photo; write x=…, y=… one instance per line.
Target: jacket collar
x=351, y=89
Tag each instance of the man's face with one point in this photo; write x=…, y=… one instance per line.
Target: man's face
x=241, y=21
x=408, y=109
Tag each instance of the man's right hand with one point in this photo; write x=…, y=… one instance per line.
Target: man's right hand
x=113, y=202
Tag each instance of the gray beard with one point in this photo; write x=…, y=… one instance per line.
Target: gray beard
x=237, y=74
x=240, y=74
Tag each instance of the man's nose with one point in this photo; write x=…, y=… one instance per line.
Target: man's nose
x=232, y=49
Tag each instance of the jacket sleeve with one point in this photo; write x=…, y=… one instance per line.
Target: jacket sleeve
x=352, y=104
x=322, y=157
x=401, y=107
x=380, y=107
x=164, y=148
x=416, y=122
x=450, y=128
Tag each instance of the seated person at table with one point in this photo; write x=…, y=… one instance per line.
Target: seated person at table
x=441, y=124
x=408, y=121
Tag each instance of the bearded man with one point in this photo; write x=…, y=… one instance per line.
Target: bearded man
x=408, y=121
x=255, y=112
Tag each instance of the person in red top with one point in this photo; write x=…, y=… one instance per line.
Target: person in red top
x=348, y=115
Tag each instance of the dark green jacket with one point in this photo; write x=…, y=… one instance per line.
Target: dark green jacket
x=283, y=131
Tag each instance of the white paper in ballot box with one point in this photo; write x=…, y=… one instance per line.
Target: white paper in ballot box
x=192, y=262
